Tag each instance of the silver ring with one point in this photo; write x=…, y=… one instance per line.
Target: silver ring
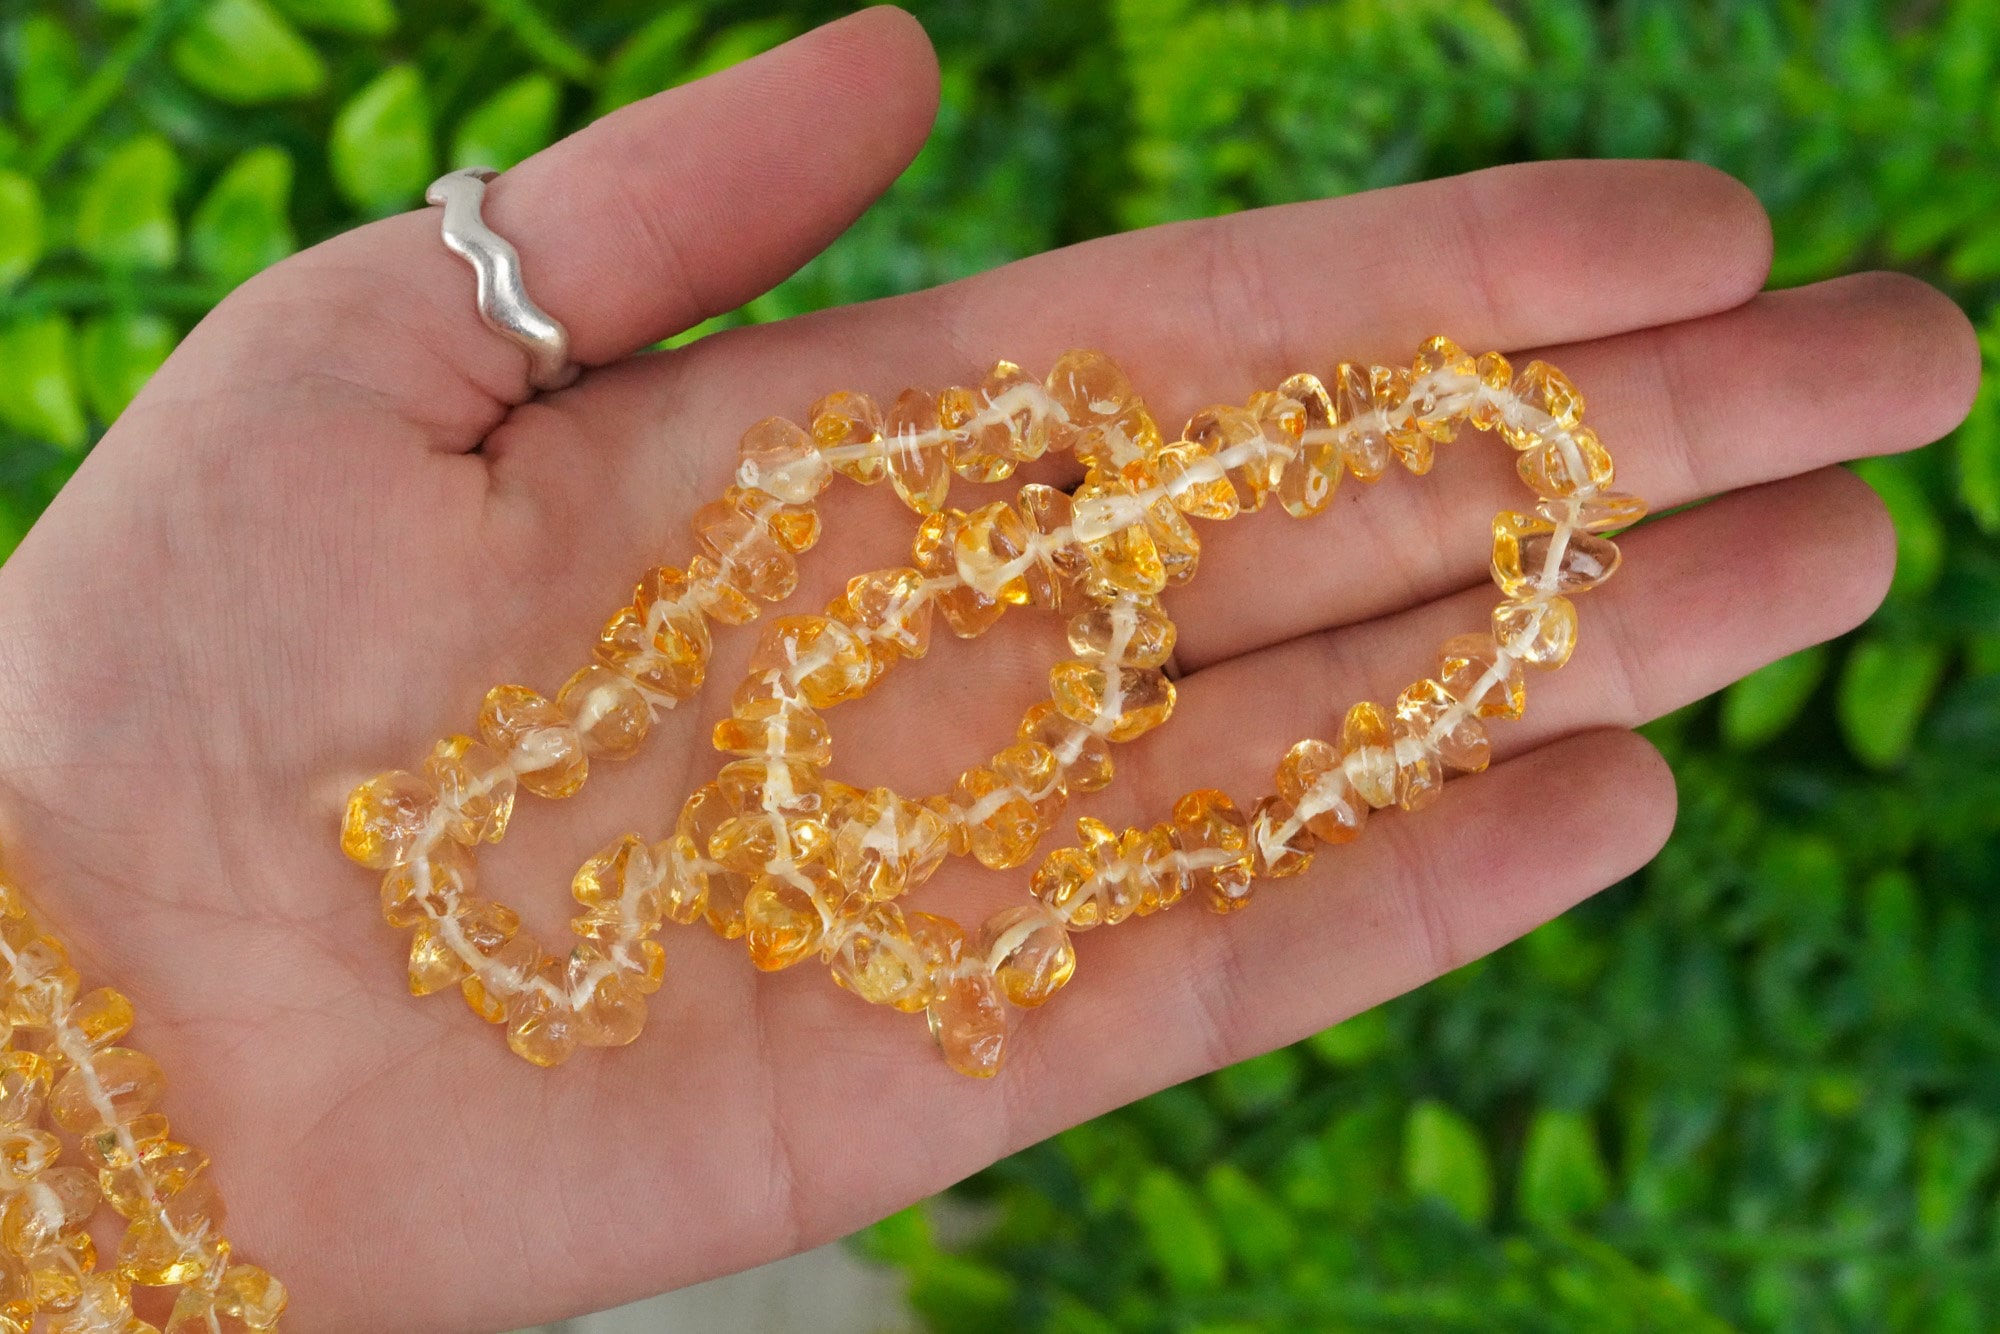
x=503, y=297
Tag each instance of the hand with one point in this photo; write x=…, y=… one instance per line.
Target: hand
x=335, y=518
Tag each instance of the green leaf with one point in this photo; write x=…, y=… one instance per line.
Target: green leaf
x=125, y=218
x=1257, y=1230
x=1178, y=1233
x=1355, y=1042
x=1976, y=451
x=48, y=69
x=518, y=120
x=953, y=1292
x=20, y=227
x=1563, y=1177
x=1957, y=1151
x=381, y=149
x=735, y=45
x=38, y=388
x=1766, y=702
x=1976, y=259
x=117, y=354
x=245, y=52
x=355, y=18
x=1885, y=687
x=244, y=224
x=1444, y=1159
x=1920, y=537
x=653, y=58
x=1256, y=1086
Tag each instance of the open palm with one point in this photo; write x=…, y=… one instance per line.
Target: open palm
x=335, y=518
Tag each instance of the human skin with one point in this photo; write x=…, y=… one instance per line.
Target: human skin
x=337, y=515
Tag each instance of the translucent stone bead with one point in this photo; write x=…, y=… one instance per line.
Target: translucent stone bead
x=625, y=877
x=1112, y=426
x=1364, y=443
x=1215, y=837
x=434, y=964
x=1312, y=474
x=1419, y=766
x=101, y=1017
x=684, y=887
x=716, y=593
x=1132, y=631
x=251, y=1295
x=673, y=626
x=609, y=712
x=1463, y=663
x=162, y=1169
x=1422, y=708
x=1368, y=755
x=1056, y=579
x=25, y=1152
x=1120, y=703
x=970, y=1025
x=976, y=448
x=1233, y=432
x=1197, y=482
x=751, y=842
x=1016, y=410
x=782, y=787
x=44, y=984
x=890, y=608
x=1566, y=465
x=848, y=429
x=777, y=729
x=823, y=659
x=101, y=1307
x=1438, y=360
x=1151, y=875
x=1085, y=756
x=118, y=1084
x=736, y=534
x=1281, y=424
x=1540, y=632
x=428, y=886
x=940, y=945
x=56, y=1201
x=1495, y=393
x=884, y=846
x=967, y=611
x=475, y=787
x=780, y=459
x=387, y=819
x=1595, y=513
x=990, y=550
x=55, y=1274
x=1174, y=543
x=1032, y=770
x=1522, y=546
x=877, y=960
x=1028, y=950
x=24, y=1086
x=1000, y=823
x=719, y=892
x=540, y=1026
x=507, y=970
x=1280, y=843
x=1544, y=395
x=913, y=443
x=538, y=741
x=782, y=923
x=107, y=1146
x=180, y=1244
x=1412, y=446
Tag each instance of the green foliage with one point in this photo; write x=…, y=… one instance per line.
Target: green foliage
x=1751, y=1088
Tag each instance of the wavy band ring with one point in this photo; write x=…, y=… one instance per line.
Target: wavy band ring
x=504, y=303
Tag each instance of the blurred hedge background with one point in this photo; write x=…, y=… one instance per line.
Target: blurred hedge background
x=1755, y=1087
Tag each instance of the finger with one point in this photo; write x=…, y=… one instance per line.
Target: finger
x=1703, y=597
x=1787, y=383
x=638, y=226
x=1415, y=897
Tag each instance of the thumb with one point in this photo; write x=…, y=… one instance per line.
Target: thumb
x=634, y=228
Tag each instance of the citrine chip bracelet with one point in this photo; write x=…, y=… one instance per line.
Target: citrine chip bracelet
x=777, y=851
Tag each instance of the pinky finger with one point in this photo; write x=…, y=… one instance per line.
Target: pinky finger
x=1415, y=897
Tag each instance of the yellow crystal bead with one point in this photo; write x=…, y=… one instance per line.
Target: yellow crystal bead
x=1368, y=754
x=24, y=1152
x=913, y=442
x=940, y=944
x=117, y=1085
x=715, y=591
x=1310, y=478
x=990, y=551
x=1567, y=465
x=475, y=786
x=778, y=729
x=387, y=820
x=780, y=459
x=101, y=1017
x=1539, y=632
x=608, y=711
x=1084, y=756
x=251, y=1295
x=1028, y=950
x=1280, y=843
x=1527, y=561
x=878, y=961
x=1422, y=708
x=428, y=886
x=884, y=845
x=1001, y=823
x=1545, y=396
x=890, y=607
x=1463, y=665
x=970, y=1025
x=848, y=429
x=162, y=1169
x=540, y=1026
x=1112, y=427
x=1215, y=837
x=1496, y=379
x=1363, y=436
x=538, y=741
x=434, y=964
x=823, y=659
x=1120, y=703
x=734, y=533
x=1032, y=770
x=1133, y=631
x=57, y=1201
x=967, y=611
x=782, y=921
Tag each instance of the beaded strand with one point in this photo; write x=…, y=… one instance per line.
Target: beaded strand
x=799, y=864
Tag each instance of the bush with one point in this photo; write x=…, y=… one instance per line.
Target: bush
x=1754, y=1086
